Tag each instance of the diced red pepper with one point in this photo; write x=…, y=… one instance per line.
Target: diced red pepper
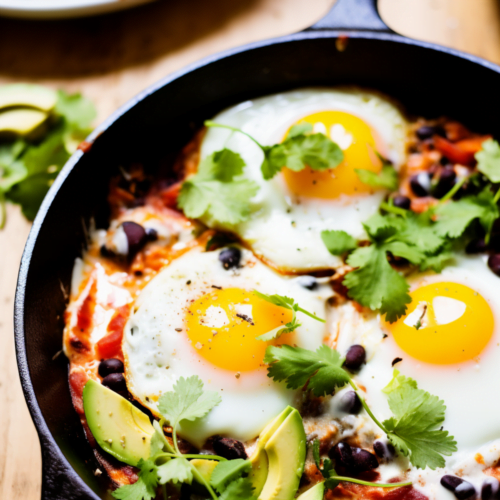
x=461, y=152
x=110, y=346
x=170, y=195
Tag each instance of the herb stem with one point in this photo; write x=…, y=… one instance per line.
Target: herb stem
x=365, y=406
x=368, y=483
x=453, y=190
x=311, y=315
x=174, y=438
x=207, y=457
x=164, y=491
x=203, y=481
x=210, y=123
x=392, y=209
x=497, y=196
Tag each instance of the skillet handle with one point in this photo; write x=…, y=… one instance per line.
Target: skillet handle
x=352, y=15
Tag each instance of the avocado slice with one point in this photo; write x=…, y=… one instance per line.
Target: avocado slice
x=23, y=122
x=26, y=95
x=117, y=425
x=314, y=493
x=260, y=463
x=286, y=453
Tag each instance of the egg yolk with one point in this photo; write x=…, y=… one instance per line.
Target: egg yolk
x=446, y=323
x=358, y=142
x=223, y=325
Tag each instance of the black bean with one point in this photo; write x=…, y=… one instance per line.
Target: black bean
x=384, y=449
x=350, y=403
x=490, y=489
x=342, y=454
x=151, y=234
x=308, y=282
x=446, y=181
x=362, y=460
x=476, y=246
x=421, y=184
x=401, y=201
x=229, y=448
x=427, y=131
x=111, y=365
x=355, y=357
x=460, y=488
x=230, y=257
x=494, y=263
x=136, y=237
x=115, y=382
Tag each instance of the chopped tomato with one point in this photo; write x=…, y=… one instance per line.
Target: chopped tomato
x=77, y=381
x=170, y=195
x=461, y=152
x=110, y=346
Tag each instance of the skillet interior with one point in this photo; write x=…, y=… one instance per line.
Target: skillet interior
x=429, y=81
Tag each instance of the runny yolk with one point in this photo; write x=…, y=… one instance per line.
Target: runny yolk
x=446, y=323
x=223, y=325
x=359, y=144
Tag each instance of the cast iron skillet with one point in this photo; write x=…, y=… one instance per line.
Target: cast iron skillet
x=428, y=79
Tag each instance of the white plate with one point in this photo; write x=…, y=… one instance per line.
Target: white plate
x=58, y=9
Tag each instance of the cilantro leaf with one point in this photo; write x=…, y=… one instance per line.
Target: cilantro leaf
x=77, y=111
x=338, y=242
x=297, y=366
x=387, y=177
x=415, y=427
x=287, y=303
x=298, y=151
x=176, y=470
x=228, y=471
x=187, y=401
x=488, y=160
x=327, y=470
x=375, y=284
x=241, y=489
x=218, y=189
x=453, y=218
x=144, y=488
x=300, y=128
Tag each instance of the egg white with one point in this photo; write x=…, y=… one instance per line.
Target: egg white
x=468, y=389
x=158, y=351
x=284, y=229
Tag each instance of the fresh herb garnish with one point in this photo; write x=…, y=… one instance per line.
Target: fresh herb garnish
x=338, y=242
x=488, y=160
x=287, y=303
x=332, y=480
x=298, y=150
x=166, y=464
x=417, y=415
x=28, y=169
x=387, y=177
x=218, y=190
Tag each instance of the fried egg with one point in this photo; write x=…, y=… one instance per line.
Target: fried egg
x=449, y=342
x=197, y=318
x=290, y=211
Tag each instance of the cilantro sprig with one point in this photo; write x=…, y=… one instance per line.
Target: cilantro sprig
x=28, y=169
x=218, y=190
x=301, y=148
x=166, y=464
x=287, y=303
x=332, y=479
x=387, y=178
x=414, y=428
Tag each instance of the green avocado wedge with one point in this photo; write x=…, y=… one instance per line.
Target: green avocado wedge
x=314, y=493
x=23, y=122
x=25, y=95
x=116, y=424
x=286, y=452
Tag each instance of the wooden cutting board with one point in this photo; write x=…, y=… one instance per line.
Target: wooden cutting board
x=112, y=58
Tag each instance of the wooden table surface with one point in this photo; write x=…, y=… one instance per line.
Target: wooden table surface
x=112, y=58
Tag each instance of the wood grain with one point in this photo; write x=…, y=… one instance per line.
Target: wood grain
x=112, y=58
